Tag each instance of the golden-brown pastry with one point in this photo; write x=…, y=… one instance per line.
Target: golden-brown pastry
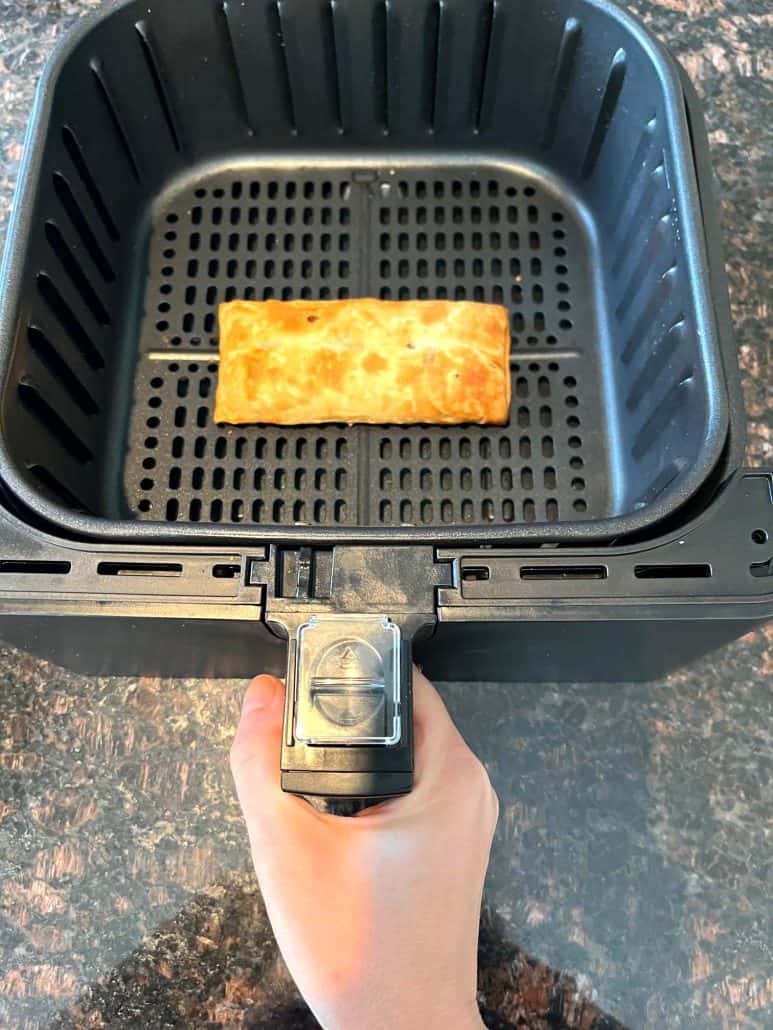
x=299, y=362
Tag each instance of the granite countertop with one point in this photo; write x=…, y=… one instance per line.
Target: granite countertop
x=630, y=878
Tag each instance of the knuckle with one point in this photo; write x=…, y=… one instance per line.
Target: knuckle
x=233, y=751
x=236, y=754
x=484, y=783
x=476, y=777
x=483, y=796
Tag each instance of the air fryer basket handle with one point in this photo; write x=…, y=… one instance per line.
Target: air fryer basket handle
x=348, y=733
x=350, y=616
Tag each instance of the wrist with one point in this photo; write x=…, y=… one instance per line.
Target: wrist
x=423, y=1017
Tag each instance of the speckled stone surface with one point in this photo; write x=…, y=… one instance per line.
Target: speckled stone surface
x=630, y=881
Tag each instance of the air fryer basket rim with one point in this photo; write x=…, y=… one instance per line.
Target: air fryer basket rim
x=71, y=524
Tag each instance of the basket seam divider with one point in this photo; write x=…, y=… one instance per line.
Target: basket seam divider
x=364, y=287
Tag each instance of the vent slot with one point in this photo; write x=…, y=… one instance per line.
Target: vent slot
x=69, y=322
x=226, y=571
x=78, y=158
x=162, y=93
x=54, y=423
x=98, y=71
x=58, y=367
x=158, y=569
x=57, y=490
x=672, y=405
x=562, y=78
x=35, y=568
x=656, y=362
x=432, y=62
x=232, y=61
x=277, y=35
x=762, y=569
x=381, y=63
x=653, y=311
x=67, y=199
x=606, y=113
x=687, y=571
x=332, y=59
x=636, y=169
x=486, y=46
x=476, y=573
x=627, y=229
x=84, y=288
x=563, y=572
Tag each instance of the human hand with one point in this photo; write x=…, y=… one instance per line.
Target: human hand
x=376, y=915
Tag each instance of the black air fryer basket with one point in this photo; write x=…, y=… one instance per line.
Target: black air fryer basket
x=549, y=157
x=538, y=159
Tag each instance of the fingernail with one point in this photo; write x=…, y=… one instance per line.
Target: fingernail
x=260, y=694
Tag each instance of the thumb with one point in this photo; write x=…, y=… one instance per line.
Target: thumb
x=275, y=820
x=256, y=749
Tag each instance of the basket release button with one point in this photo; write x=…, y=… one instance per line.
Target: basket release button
x=347, y=686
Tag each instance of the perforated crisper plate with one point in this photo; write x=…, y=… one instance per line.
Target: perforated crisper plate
x=486, y=234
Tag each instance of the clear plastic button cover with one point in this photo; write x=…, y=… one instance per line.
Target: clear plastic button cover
x=348, y=681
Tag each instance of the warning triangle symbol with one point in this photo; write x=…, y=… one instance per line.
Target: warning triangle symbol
x=348, y=658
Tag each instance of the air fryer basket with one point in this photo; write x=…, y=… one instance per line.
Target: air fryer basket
x=536, y=156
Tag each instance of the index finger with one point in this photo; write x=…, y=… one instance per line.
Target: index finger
x=434, y=729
